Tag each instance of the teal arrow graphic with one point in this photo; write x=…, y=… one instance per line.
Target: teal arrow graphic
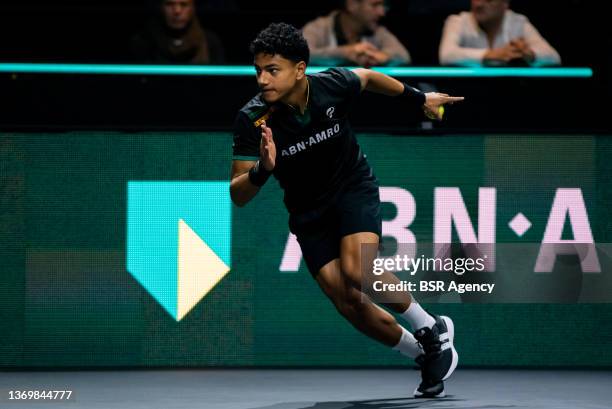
x=161, y=215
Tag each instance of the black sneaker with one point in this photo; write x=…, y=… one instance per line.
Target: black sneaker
x=430, y=390
x=440, y=357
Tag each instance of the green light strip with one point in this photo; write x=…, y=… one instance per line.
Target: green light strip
x=245, y=70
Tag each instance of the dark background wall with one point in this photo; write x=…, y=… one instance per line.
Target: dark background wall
x=98, y=31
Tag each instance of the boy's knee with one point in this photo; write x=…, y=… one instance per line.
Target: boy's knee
x=350, y=304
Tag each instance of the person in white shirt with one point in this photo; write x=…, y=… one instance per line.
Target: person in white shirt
x=492, y=34
x=353, y=35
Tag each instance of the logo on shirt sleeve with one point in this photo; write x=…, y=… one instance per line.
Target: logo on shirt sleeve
x=263, y=118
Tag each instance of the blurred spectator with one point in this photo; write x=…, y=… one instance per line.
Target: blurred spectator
x=353, y=36
x=492, y=34
x=175, y=36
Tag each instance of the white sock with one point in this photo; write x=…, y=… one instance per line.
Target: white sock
x=417, y=317
x=408, y=345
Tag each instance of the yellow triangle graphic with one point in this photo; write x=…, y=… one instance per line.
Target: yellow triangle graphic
x=199, y=269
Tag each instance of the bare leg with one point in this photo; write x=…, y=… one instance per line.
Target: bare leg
x=351, y=266
x=356, y=307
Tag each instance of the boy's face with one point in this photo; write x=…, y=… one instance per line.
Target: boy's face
x=277, y=76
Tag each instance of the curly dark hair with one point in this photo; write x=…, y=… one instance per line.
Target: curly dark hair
x=282, y=39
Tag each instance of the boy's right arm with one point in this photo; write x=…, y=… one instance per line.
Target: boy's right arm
x=241, y=188
x=248, y=176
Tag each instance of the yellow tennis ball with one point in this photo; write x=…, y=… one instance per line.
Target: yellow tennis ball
x=431, y=115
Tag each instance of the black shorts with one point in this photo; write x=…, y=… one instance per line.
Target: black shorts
x=355, y=209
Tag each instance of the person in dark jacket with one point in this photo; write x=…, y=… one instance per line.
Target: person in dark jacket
x=175, y=36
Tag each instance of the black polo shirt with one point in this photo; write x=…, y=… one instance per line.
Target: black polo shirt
x=316, y=153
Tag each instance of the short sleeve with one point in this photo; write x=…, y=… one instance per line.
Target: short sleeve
x=344, y=82
x=246, y=139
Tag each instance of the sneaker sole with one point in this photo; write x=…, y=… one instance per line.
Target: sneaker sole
x=420, y=395
x=451, y=336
